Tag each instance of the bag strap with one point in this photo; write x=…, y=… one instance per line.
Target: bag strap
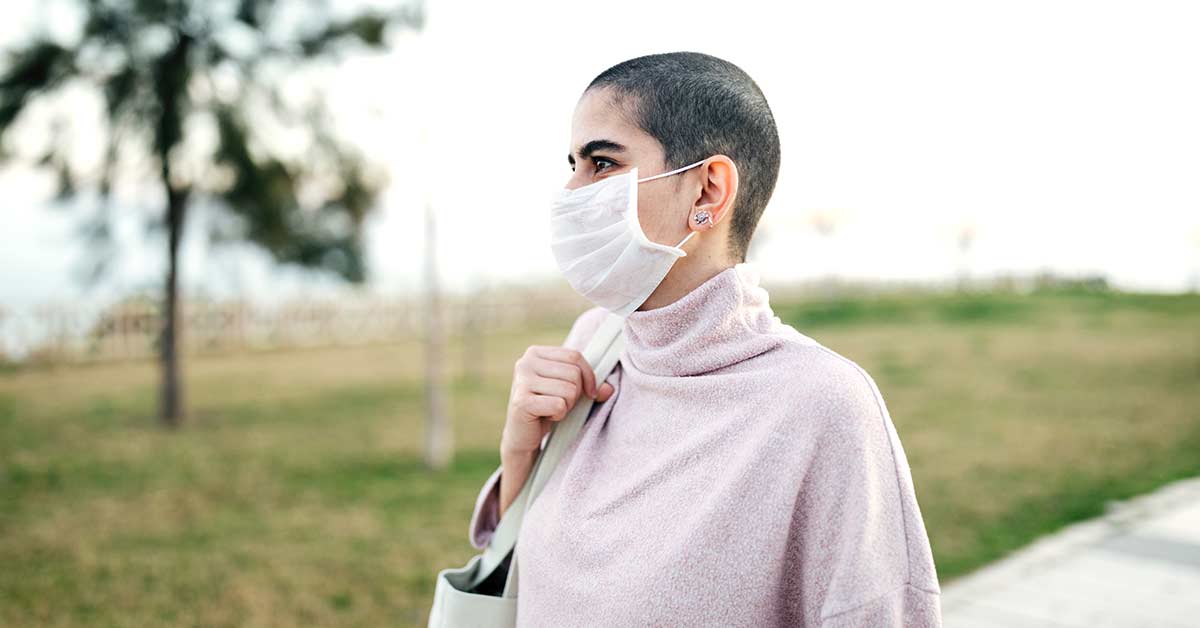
x=602, y=352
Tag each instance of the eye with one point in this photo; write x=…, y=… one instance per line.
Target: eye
x=602, y=164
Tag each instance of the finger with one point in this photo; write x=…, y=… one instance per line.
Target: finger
x=585, y=369
x=559, y=370
x=562, y=354
x=545, y=405
x=606, y=391
x=571, y=356
x=569, y=391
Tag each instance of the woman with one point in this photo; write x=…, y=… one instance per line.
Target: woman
x=733, y=472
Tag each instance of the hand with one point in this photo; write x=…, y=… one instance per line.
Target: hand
x=547, y=382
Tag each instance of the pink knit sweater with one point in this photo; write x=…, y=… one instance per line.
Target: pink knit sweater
x=742, y=474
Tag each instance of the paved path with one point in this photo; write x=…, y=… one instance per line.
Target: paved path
x=1138, y=565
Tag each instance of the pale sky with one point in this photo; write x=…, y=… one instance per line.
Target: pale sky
x=1065, y=133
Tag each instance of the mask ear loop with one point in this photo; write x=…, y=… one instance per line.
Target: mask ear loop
x=667, y=174
x=675, y=171
x=685, y=239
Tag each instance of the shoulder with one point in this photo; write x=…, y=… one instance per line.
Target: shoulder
x=830, y=392
x=584, y=328
x=839, y=417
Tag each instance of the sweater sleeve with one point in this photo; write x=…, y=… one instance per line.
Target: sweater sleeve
x=858, y=553
x=487, y=511
x=486, y=515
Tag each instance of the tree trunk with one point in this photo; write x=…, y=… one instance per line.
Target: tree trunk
x=439, y=437
x=171, y=396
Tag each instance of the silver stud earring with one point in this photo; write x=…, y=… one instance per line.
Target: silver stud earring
x=701, y=217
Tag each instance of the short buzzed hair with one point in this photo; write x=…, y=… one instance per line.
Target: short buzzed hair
x=697, y=105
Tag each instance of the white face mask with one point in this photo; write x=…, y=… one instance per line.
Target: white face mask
x=600, y=247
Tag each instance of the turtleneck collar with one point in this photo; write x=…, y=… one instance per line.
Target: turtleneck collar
x=723, y=321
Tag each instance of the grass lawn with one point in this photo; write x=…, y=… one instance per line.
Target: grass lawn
x=297, y=495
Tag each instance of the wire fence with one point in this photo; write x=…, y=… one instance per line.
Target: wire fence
x=131, y=329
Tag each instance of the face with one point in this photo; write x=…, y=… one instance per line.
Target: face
x=605, y=143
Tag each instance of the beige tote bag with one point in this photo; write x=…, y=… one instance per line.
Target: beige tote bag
x=470, y=596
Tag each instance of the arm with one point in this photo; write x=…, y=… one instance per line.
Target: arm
x=858, y=553
x=517, y=466
x=505, y=483
x=493, y=501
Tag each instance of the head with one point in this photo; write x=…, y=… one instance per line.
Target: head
x=664, y=111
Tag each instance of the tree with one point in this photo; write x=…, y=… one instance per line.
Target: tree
x=196, y=88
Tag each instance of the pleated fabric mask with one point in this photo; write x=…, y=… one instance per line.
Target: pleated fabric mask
x=600, y=247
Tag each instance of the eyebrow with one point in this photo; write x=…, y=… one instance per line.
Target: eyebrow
x=594, y=146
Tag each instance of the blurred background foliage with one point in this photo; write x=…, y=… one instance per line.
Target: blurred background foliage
x=194, y=94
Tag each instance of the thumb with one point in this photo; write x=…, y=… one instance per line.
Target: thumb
x=606, y=391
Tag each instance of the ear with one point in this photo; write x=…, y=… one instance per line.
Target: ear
x=718, y=189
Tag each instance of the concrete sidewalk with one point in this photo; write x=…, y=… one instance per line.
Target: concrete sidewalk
x=1138, y=565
